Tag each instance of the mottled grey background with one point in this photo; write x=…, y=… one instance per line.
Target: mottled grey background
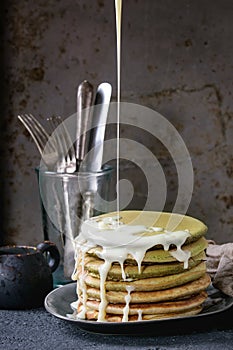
x=176, y=59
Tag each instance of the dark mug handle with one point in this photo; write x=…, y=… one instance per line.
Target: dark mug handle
x=54, y=256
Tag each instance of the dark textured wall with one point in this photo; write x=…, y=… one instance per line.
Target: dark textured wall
x=176, y=59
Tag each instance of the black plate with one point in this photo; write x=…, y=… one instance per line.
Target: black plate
x=217, y=304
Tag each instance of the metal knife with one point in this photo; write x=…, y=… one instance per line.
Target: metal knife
x=84, y=102
x=97, y=133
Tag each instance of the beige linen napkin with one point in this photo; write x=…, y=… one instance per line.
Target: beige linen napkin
x=220, y=266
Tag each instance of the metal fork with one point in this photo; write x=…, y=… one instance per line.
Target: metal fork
x=43, y=141
x=65, y=148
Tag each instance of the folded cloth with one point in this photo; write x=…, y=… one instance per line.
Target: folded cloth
x=220, y=266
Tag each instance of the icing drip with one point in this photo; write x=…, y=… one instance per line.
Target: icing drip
x=82, y=286
x=127, y=301
x=181, y=255
x=103, y=271
x=139, y=315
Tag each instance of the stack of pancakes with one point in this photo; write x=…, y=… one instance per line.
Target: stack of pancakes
x=162, y=288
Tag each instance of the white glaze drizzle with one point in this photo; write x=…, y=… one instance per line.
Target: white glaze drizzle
x=125, y=317
x=82, y=287
x=81, y=284
x=118, y=13
x=181, y=255
x=103, y=271
x=118, y=241
x=139, y=315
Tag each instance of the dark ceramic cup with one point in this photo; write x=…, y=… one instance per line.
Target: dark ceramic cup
x=26, y=275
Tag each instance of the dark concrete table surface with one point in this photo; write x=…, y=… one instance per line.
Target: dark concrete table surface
x=38, y=329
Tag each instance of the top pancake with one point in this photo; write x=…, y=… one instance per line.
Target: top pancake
x=167, y=221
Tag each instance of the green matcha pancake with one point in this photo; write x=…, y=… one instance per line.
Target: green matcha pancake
x=150, y=284
x=150, y=311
